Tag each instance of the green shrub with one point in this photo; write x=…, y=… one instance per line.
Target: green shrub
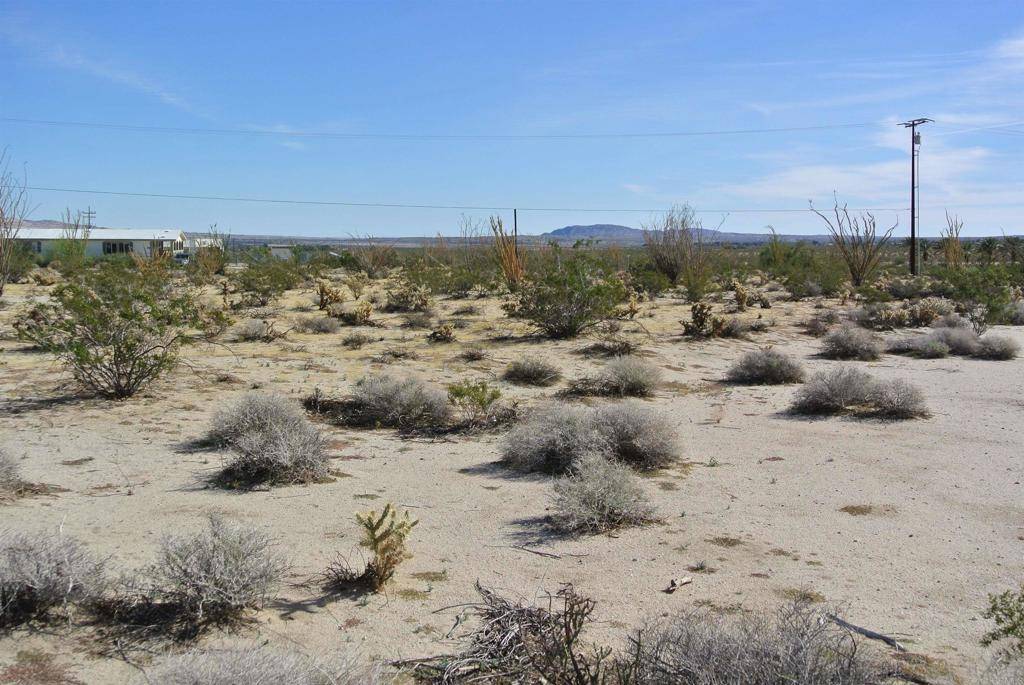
x=473, y=400
x=264, y=280
x=1007, y=610
x=569, y=298
x=115, y=328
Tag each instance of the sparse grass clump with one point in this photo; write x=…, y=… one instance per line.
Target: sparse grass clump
x=849, y=342
x=621, y=377
x=532, y=371
x=218, y=574
x=40, y=573
x=848, y=389
x=318, y=324
x=473, y=353
x=766, y=366
x=354, y=341
x=274, y=441
x=258, y=663
x=599, y=495
x=637, y=436
x=552, y=439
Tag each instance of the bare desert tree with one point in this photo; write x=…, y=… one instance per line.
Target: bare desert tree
x=857, y=239
x=13, y=209
x=952, y=248
x=679, y=248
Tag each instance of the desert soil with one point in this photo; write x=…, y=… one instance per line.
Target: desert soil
x=907, y=526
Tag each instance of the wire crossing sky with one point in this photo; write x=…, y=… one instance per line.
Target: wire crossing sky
x=394, y=118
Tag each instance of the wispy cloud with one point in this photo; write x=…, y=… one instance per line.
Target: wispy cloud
x=58, y=54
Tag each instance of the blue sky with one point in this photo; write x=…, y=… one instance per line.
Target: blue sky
x=515, y=69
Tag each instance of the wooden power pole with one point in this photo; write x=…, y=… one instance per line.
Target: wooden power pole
x=915, y=146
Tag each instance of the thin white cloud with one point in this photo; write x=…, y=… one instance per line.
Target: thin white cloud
x=54, y=53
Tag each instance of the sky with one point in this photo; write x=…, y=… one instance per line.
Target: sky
x=540, y=105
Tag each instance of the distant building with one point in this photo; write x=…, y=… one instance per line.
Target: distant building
x=108, y=241
x=281, y=251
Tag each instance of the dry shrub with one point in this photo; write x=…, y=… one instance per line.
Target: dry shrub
x=259, y=663
x=218, y=574
x=354, y=341
x=43, y=572
x=599, y=495
x=951, y=321
x=318, y=324
x=797, y=645
x=849, y=342
x=10, y=475
x=898, y=399
x=848, y=389
x=960, y=341
x=532, y=371
x=385, y=401
x=274, y=440
x=257, y=330
x=834, y=390
x=473, y=353
x=556, y=436
x=621, y=377
x=552, y=439
x=820, y=324
x=643, y=439
x=998, y=347
x=766, y=366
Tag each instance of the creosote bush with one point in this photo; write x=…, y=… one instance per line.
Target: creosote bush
x=274, y=441
x=850, y=342
x=532, y=371
x=218, y=574
x=116, y=328
x=621, y=377
x=1007, y=610
x=259, y=663
x=599, y=495
x=569, y=298
x=40, y=573
x=766, y=366
x=846, y=388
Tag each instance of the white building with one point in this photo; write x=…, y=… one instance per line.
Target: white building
x=108, y=241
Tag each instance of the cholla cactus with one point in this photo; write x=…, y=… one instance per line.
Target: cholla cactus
x=742, y=295
x=384, y=534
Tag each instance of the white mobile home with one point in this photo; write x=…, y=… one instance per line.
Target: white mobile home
x=108, y=241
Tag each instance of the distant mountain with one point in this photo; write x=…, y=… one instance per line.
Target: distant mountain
x=625, y=235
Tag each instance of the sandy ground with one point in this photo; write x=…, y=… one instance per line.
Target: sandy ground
x=759, y=496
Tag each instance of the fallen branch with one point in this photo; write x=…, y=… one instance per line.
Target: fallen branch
x=870, y=634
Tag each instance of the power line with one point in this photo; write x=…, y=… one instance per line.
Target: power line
x=394, y=205
x=419, y=136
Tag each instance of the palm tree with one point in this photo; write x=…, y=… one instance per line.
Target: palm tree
x=1013, y=246
x=987, y=248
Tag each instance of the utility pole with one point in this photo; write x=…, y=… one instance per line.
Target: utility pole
x=88, y=215
x=915, y=145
